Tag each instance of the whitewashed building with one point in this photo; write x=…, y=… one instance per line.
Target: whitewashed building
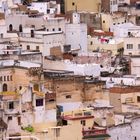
x=132, y=45
x=125, y=30
x=46, y=7
x=41, y=41
x=135, y=65
x=49, y=22
x=107, y=20
x=76, y=34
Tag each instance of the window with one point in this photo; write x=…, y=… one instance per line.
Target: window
x=0, y=78
x=47, y=30
x=87, y=113
x=138, y=98
x=28, y=47
x=36, y=87
x=10, y=27
x=129, y=46
x=19, y=120
x=59, y=29
x=32, y=33
x=129, y=34
x=103, y=21
x=9, y=118
x=11, y=78
x=39, y=102
x=68, y=96
x=53, y=29
x=57, y=132
x=91, y=43
x=20, y=28
x=48, y=11
x=73, y=3
x=129, y=100
x=78, y=114
x=37, y=47
x=11, y=105
x=138, y=46
x=8, y=47
x=4, y=87
x=4, y=78
x=51, y=100
x=83, y=122
x=20, y=87
x=32, y=26
x=8, y=78
x=114, y=2
x=0, y=105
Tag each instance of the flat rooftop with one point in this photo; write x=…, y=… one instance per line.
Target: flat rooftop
x=25, y=64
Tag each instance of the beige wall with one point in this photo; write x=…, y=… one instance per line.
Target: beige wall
x=56, y=65
x=107, y=20
x=20, y=77
x=8, y=72
x=133, y=96
x=72, y=131
x=77, y=89
x=82, y=5
x=103, y=46
x=115, y=100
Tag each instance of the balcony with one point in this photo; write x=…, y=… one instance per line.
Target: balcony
x=78, y=115
x=95, y=132
x=11, y=111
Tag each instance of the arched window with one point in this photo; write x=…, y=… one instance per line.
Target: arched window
x=32, y=33
x=20, y=28
x=10, y=27
x=20, y=87
x=4, y=87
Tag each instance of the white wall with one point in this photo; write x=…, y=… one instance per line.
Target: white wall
x=113, y=6
x=135, y=42
x=53, y=40
x=135, y=65
x=38, y=22
x=50, y=115
x=126, y=131
x=40, y=6
x=126, y=81
x=76, y=36
x=122, y=30
x=16, y=1
x=71, y=106
x=123, y=1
